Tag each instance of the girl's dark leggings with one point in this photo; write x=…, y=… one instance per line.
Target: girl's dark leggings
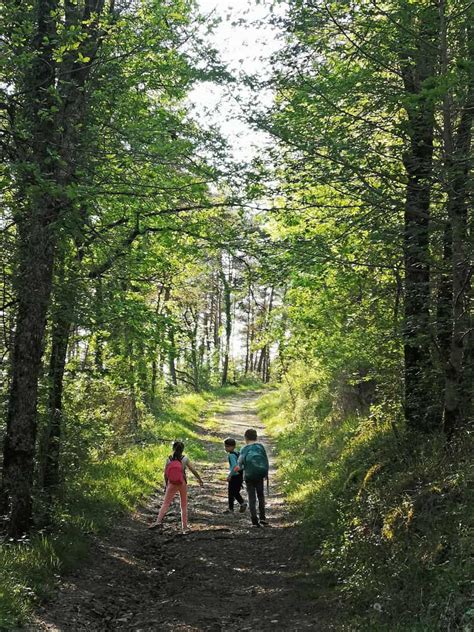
x=235, y=485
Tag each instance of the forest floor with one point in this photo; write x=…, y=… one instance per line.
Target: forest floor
x=223, y=575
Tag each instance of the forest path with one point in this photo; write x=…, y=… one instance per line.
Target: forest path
x=224, y=575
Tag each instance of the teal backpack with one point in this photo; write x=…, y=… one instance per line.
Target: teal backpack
x=255, y=463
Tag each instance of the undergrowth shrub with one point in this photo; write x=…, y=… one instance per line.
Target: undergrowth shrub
x=387, y=515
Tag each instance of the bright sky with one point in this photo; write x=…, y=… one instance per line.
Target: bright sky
x=242, y=44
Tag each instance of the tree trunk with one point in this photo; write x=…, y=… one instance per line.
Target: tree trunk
x=62, y=326
x=252, y=339
x=171, y=341
x=34, y=278
x=217, y=328
x=419, y=376
x=266, y=373
x=132, y=382
x=261, y=361
x=172, y=356
x=34, y=292
x=45, y=166
x=228, y=326
x=99, y=338
x=247, y=338
x=195, y=363
x=458, y=155
x=155, y=363
x=444, y=318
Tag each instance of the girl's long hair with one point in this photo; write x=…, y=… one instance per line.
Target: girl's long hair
x=178, y=448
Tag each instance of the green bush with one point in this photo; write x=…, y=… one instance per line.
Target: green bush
x=387, y=515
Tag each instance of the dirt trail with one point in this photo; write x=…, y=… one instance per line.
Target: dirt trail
x=224, y=575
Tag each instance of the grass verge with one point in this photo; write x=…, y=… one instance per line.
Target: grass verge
x=387, y=516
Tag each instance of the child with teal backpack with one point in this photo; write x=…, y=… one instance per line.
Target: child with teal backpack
x=253, y=460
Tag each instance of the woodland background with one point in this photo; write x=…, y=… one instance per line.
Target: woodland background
x=144, y=268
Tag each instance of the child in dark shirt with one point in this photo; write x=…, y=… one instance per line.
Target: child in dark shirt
x=234, y=478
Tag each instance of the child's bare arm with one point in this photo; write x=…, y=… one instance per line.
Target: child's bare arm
x=196, y=473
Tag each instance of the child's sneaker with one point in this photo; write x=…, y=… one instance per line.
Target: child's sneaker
x=264, y=521
x=243, y=507
x=156, y=525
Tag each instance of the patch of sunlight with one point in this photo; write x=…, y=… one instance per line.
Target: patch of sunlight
x=303, y=491
x=206, y=463
x=127, y=559
x=177, y=428
x=211, y=422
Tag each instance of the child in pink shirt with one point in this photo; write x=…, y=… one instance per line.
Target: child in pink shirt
x=176, y=483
